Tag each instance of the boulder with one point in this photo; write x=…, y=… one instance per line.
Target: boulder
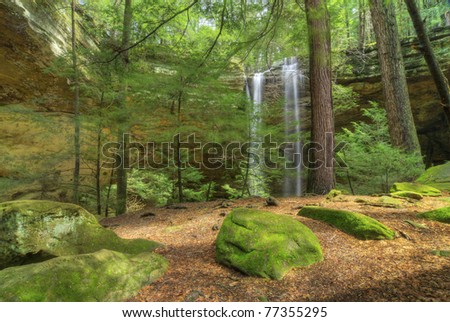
x=437, y=177
x=101, y=276
x=261, y=243
x=352, y=223
x=271, y=201
x=424, y=190
x=333, y=194
x=441, y=214
x=35, y=230
x=407, y=195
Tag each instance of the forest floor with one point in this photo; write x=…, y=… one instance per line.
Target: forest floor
x=403, y=269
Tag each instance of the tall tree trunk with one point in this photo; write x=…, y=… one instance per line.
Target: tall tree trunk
x=179, y=170
x=322, y=130
x=76, y=109
x=428, y=53
x=121, y=172
x=362, y=25
x=98, y=170
x=400, y=119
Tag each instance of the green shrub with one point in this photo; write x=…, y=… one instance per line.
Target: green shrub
x=373, y=164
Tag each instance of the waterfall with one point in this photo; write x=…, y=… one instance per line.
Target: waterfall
x=255, y=179
x=294, y=83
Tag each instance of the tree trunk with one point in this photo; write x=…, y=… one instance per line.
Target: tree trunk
x=428, y=53
x=400, y=119
x=121, y=173
x=179, y=172
x=362, y=25
x=76, y=110
x=322, y=130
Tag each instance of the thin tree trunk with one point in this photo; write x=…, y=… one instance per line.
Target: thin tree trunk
x=362, y=25
x=208, y=191
x=322, y=130
x=179, y=172
x=98, y=171
x=347, y=19
x=428, y=53
x=108, y=193
x=400, y=119
x=76, y=109
x=121, y=173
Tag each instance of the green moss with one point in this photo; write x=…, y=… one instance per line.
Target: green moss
x=333, y=193
x=102, y=276
x=261, y=243
x=441, y=214
x=437, y=177
x=417, y=188
x=56, y=229
x=390, y=201
x=358, y=225
x=443, y=253
x=407, y=194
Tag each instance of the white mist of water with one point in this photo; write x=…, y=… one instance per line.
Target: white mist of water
x=293, y=81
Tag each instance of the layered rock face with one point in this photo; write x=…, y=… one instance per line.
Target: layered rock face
x=364, y=78
x=425, y=102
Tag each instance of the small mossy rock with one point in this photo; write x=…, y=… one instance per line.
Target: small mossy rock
x=407, y=195
x=49, y=229
x=261, y=243
x=437, y=177
x=333, y=194
x=441, y=214
x=424, y=190
x=101, y=276
x=271, y=201
x=358, y=225
x=390, y=201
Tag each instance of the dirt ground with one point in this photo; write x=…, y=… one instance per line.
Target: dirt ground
x=403, y=269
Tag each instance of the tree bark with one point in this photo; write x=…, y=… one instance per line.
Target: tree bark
x=362, y=25
x=76, y=109
x=121, y=172
x=179, y=170
x=321, y=179
x=428, y=53
x=398, y=107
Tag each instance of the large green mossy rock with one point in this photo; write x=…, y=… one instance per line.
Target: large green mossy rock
x=46, y=229
x=441, y=214
x=437, y=177
x=423, y=189
x=101, y=276
x=260, y=243
x=352, y=223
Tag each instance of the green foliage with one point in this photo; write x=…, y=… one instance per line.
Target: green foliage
x=231, y=192
x=372, y=163
x=150, y=186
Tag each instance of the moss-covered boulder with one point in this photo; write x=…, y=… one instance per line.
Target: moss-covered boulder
x=46, y=229
x=407, y=195
x=423, y=189
x=437, y=177
x=441, y=214
x=101, y=276
x=260, y=243
x=352, y=223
